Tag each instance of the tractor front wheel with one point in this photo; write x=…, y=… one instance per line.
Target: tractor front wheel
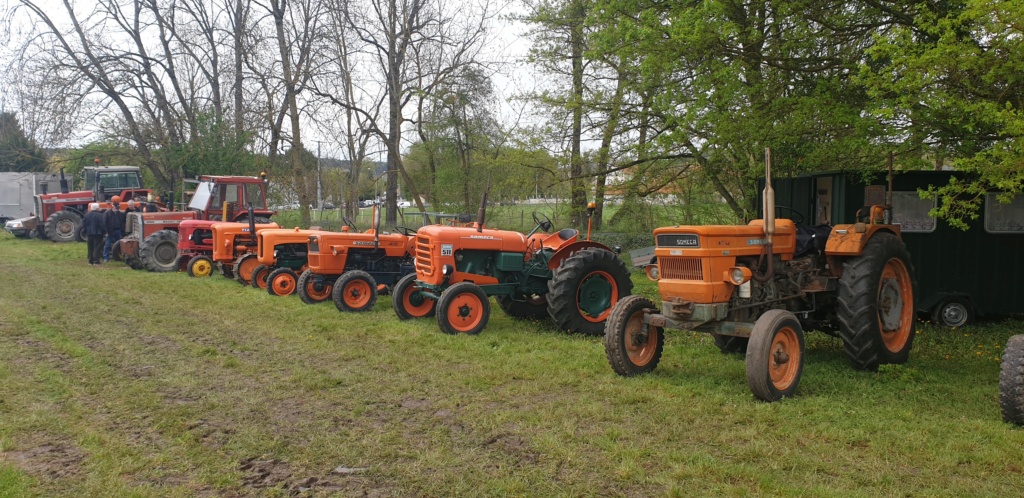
x=585, y=288
x=775, y=356
x=631, y=348
x=244, y=266
x=159, y=252
x=200, y=266
x=281, y=282
x=355, y=291
x=314, y=290
x=876, y=304
x=463, y=309
x=63, y=226
x=1011, y=381
x=259, y=277
x=408, y=302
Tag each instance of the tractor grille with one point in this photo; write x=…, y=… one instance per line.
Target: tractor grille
x=39, y=207
x=681, y=268
x=423, y=259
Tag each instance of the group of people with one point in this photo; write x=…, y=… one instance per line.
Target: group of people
x=102, y=222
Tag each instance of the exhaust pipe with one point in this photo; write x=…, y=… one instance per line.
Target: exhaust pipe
x=769, y=219
x=252, y=222
x=481, y=214
x=63, y=183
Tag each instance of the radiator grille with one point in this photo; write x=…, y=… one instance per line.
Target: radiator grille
x=681, y=268
x=423, y=259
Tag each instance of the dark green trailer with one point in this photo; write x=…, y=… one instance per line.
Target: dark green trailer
x=960, y=274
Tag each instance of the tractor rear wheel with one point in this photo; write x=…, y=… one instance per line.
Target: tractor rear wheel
x=408, y=302
x=729, y=344
x=1011, y=381
x=159, y=252
x=355, y=291
x=585, y=288
x=313, y=290
x=282, y=282
x=259, y=277
x=63, y=226
x=775, y=356
x=876, y=304
x=632, y=350
x=244, y=266
x=200, y=266
x=463, y=309
x=528, y=307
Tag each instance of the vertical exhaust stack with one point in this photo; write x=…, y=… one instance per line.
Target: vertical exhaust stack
x=63, y=183
x=481, y=214
x=769, y=220
x=252, y=222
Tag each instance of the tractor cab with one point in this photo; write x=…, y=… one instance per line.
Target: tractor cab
x=226, y=197
x=107, y=181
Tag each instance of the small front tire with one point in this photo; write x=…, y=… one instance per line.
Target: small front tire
x=355, y=291
x=408, y=302
x=775, y=356
x=200, y=266
x=282, y=282
x=630, y=349
x=463, y=309
x=313, y=290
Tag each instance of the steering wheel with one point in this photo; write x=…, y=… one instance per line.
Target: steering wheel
x=797, y=216
x=405, y=230
x=351, y=224
x=543, y=221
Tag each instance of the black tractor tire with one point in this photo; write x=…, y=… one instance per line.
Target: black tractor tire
x=524, y=307
x=954, y=312
x=159, y=252
x=260, y=277
x=311, y=292
x=243, y=268
x=63, y=226
x=463, y=309
x=355, y=291
x=226, y=270
x=282, y=282
x=408, y=303
x=134, y=263
x=772, y=371
x=199, y=266
x=115, y=252
x=40, y=232
x=730, y=344
x=80, y=235
x=1011, y=381
x=589, y=275
x=628, y=352
x=876, y=304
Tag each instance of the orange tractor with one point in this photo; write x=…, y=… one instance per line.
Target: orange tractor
x=281, y=255
x=351, y=268
x=203, y=245
x=575, y=282
x=756, y=288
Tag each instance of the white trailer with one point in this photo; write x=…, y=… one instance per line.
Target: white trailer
x=17, y=194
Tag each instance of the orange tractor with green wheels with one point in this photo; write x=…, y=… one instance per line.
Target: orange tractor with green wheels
x=756, y=288
x=575, y=282
x=282, y=256
x=352, y=268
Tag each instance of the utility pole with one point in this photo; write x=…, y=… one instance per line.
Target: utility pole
x=319, y=180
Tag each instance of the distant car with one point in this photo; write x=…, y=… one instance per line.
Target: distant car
x=404, y=204
x=328, y=205
x=367, y=203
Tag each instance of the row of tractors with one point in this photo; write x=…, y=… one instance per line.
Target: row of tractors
x=754, y=288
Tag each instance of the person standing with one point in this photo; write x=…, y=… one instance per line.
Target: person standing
x=113, y=221
x=95, y=228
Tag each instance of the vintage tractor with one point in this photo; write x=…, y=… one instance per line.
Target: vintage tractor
x=281, y=255
x=756, y=288
x=575, y=282
x=151, y=239
x=351, y=268
x=61, y=213
x=197, y=240
x=1011, y=381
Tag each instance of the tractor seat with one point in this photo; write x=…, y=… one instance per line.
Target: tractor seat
x=557, y=239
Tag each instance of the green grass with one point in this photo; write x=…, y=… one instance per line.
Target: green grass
x=122, y=383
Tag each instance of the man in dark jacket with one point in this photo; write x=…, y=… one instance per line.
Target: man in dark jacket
x=94, y=231
x=114, y=222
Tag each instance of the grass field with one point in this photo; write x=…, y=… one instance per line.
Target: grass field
x=122, y=383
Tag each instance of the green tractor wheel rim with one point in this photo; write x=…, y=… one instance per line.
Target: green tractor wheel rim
x=597, y=292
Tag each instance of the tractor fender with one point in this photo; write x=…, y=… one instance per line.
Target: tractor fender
x=570, y=249
x=849, y=240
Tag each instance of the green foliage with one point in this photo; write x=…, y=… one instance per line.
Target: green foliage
x=213, y=149
x=18, y=152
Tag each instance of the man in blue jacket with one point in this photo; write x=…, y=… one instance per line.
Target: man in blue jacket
x=114, y=222
x=94, y=231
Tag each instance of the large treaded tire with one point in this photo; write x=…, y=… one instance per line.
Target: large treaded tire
x=308, y=289
x=408, y=302
x=775, y=356
x=729, y=344
x=574, y=282
x=863, y=294
x=159, y=252
x=629, y=357
x=1011, y=381
x=355, y=291
x=63, y=226
x=522, y=308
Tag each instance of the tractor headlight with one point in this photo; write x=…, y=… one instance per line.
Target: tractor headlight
x=276, y=252
x=652, y=272
x=738, y=275
x=447, y=270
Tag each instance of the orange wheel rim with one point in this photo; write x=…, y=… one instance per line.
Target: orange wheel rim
x=465, y=312
x=415, y=305
x=283, y=284
x=640, y=353
x=785, y=358
x=261, y=278
x=895, y=308
x=357, y=294
x=201, y=268
x=247, y=266
x=318, y=295
x=596, y=295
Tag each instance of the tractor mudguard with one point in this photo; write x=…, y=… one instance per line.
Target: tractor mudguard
x=568, y=250
x=849, y=240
